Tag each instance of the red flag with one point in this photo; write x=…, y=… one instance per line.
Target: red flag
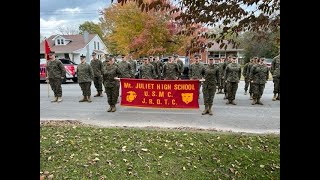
x=46, y=49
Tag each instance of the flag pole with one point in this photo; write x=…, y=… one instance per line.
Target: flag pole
x=46, y=56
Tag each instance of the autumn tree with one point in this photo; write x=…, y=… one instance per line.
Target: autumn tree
x=128, y=29
x=91, y=28
x=233, y=16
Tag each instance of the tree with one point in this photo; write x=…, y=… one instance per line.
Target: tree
x=91, y=28
x=254, y=45
x=129, y=30
x=233, y=16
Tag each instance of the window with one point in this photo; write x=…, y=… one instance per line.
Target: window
x=94, y=45
x=58, y=41
x=62, y=42
x=98, y=45
x=216, y=54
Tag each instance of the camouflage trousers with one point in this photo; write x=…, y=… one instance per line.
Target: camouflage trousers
x=55, y=84
x=112, y=93
x=85, y=88
x=225, y=87
x=258, y=90
x=246, y=85
x=221, y=84
x=250, y=87
x=208, y=93
x=232, y=88
x=276, y=85
x=97, y=81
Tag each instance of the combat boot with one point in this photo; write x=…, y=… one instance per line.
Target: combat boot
x=251, y=96
x=89, y=99
x=259, y=102
x=245, y=92
x=83, y=99
x=110, y=108
x=278, y=98
x=113, y=109
x=100, y=94
x=254, y=101
x=225, y=96
x=55, y=99
x=210, y=111
x=232, y=102
x=205, y=111
x=228, y=102
x=274, y=97
x=97, y=95
x=59, y=99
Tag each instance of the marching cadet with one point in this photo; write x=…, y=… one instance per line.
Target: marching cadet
x=85, y=77
x=211, y=76
x=97, y=68
x=110, y=74
x=258, y=76
x=232, y=77
x=275, y=71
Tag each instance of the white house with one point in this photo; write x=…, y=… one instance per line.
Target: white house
x=73, y=46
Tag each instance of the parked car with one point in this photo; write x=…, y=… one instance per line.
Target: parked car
x=70, y=66
x=71, y=70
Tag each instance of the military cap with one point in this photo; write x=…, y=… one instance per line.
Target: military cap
x=93, y=53
x=176, y=55
x=145, y=58
x=196, y=55
x=52, y=52
x=169, y=56
x=82, y=56
x=210, y=58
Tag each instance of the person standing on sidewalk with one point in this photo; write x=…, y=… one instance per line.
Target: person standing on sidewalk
x=110, y=74
x=275, y=71
x=97, y=68
x=258, y=76
x=211, y=76
x=232, y=77
x=85, y=77
x=55, y=74
x=246, y=76
x=195, y=71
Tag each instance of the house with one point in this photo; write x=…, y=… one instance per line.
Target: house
x=73, y=46
x=217, y=53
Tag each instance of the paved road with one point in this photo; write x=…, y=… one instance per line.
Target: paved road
x=243, y=117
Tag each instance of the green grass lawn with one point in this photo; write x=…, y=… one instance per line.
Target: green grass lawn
x=82, y=152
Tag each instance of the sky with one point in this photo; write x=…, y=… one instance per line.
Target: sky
x=68, y=13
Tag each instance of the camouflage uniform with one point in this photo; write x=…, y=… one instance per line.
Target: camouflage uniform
x=250, y=83
x=221, y=83
x=195, y=72
x=246, y=78
x=133, y=64
x=85, y=77
x=147, y=71
x=275, y=71
x=181, y=68
x=112, y=85
x=97, y=68
x=211, y=76
x=232, y=76
x=155, y=74
x=170, y=71
x=55, y=73
x=158, y=68
x=224, y=66
x=126, y=69
x=259, y=75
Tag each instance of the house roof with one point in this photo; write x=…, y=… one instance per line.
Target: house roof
x=77, y=42
x=216, y=47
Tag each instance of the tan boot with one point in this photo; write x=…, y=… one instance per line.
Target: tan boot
x=84, y=98
x=228, y=102
x=205, y=111
x=245, y=92
x=89, y=99
x=55, y=99
x=278, y=98
x=232, y=102
x=97, y=95
x=209, y=110
x=100, y=94
x=113, y=108
x=274, y=97
x=251, y=97
x=254, y=101
x=59, y=99
x=110, y=108
x=259, y=102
